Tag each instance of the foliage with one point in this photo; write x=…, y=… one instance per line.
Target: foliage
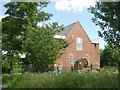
x=109, y=56
x=6, y=78
x=107, y=16
x=16, y=65
x=108, y=78
x=0, y=25
x=22, y=36
x=41, y=46
x=20, y=15
x=0, y=37
x=0, y=41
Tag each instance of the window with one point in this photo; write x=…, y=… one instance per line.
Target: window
x=87, y=57
x=78, y=43
x=59, y=67
x=71, y=58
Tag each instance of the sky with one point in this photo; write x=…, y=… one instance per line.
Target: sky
x=67, y=12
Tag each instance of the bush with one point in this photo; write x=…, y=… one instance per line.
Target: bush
x=12, y=79
x=108, y=78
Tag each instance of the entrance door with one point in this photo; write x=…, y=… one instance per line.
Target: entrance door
x=80, y=64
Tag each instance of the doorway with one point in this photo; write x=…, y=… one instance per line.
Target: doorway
x=80, y=64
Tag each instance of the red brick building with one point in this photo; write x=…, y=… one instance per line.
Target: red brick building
x=81, y=54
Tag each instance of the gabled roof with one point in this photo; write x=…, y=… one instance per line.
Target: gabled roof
x=66, y=29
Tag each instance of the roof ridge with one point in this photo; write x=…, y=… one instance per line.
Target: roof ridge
x=71, y=24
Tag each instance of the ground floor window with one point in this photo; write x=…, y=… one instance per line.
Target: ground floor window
x=59, y=67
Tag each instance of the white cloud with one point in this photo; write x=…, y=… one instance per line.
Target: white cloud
x=75, y=5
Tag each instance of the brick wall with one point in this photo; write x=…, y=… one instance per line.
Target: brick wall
x=89, y=48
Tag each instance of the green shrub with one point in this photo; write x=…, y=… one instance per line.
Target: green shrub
x=105, y=79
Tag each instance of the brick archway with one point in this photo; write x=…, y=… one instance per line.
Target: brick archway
x=81, y=63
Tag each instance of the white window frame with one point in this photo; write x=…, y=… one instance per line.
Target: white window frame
x=60, y=67
x=79, y=44
x=71, y=58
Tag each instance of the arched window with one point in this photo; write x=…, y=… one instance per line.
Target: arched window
x=78, y=43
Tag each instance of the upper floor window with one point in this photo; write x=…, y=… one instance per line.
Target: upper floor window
x=78, y=43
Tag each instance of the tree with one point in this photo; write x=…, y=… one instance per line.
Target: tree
x=109, y=56
x=107, y=16
x=20, y=14
x=41, y=46
x=0, y=35
x=21, y=25
x=0, y=45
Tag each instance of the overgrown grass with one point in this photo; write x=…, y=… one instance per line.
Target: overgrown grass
x=108, y=78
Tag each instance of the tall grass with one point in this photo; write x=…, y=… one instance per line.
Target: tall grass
x=105, y=79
